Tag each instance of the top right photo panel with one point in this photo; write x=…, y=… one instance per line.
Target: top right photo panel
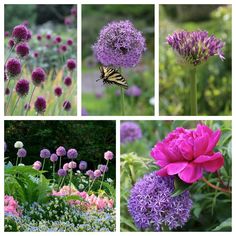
x=195, y=60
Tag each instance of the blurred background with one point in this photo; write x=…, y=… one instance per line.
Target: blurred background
x=213, y=77
x=101, y=100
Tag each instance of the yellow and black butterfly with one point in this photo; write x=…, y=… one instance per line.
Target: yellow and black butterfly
x=112, y=76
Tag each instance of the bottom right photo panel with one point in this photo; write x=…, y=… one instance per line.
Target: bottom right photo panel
x=176, y=175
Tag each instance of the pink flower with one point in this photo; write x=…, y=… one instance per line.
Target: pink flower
x=11, y=206
x=37, y=165
x=66, y=167
x=72, y=165
x=188, y=153
x=108, y=155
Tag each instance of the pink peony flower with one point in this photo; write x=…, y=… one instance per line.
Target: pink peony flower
x=188, y=153
x=11, y=206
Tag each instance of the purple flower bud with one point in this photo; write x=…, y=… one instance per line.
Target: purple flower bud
x=22, y=49
x=40, y=104
x=108, y=155
x=53, y=157
x=71, y=64
x=38, y=76
x=13, y=67
x=39, y=37
x=58, y=91
x=45, y=153
x=61, y=172
x=48, y=36
x=133, y=91
x=11, y=43
x=72, y=153
x=22, y=87
x=37, y=165
x=90, y=173
x=29, y=35
x=36, y=54
x=68, y=81
x=103, y=168
x=67, y=105
x=66, y=167
x=72, y=165
x=21, y=153
x=27, y=106
x=69, y=42
x=73, y=11
x=97, y=173
x=61, y=151
x=63, y=48
x=20, y=33
x=83, y=165
x=58, y=39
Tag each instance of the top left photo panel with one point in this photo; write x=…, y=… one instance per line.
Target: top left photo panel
x=40, y=61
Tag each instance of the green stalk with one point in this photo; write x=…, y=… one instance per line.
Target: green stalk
x=18, y=99
x=10, y=96
x=43, y=163
x=53, y=172
x=103, y=176
x=60, y=163
x=71, y=173
x=122, y=94
x=17, y=160
x=30, y=100
x=193, y=92
x=10, y=52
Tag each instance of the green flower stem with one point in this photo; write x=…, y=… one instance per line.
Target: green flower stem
x=61, y=182
x=60, y=163
x=71, y=174
x=122, y=94
x=10, y=52
x=91, y=185
x=10, y=96
x=131, y=174
x=17, y=101
x=17, y=160
x=53, y=172
x=20, y=160
x=30, y=100
x=43, y=163
x=193, y=92
x=103, y=176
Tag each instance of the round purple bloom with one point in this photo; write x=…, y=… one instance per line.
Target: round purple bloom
x=61, y=172
x=97, y=173
x=73, y=11
x=195, y=47
x=84, y=112
x=48, y=36
x=22, y=49
x=63, y=48
x=69, y=42
x=53, y=157
x=61, y=151
x=58, y=91
x=38, y=76
x=133, y=91
x=37, y=165
x=108, y=155
x=71, y=64
x=66, y=167
x=119, y=45
x=20, y=33
x=13, y=67
x=58, y=39
x=72, y=153
x=40, y=104
x=103, y=168
x=22, y=87
x=68, y=81
x=90, y=174
x=45, y=153
x=11, y=43
x=151, y=204
x=36, y=54
x=83, y=165
x=29, y=35
x=72, y=165
x=21, y=153
x=129, y=132
x=39, y=37
x=67, y=105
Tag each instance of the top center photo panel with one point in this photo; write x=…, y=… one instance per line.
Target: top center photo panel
x=118, y=60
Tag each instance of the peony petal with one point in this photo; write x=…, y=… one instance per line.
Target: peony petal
x=186, y=150
x=175, y=168
x=162, y=172
x=213, y=140
x=200, y=145
x=191, y=173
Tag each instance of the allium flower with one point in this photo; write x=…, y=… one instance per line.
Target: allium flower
x=188, y=153
x=38, y=76
x=83, y=165
x=29, y=35
x=37, y=165
x=18, y=144
x=133, y=91
x=66, y=167
x=68, y=81
x=72, y=153
x=152, y=206
x=68, y=20
x=61, y=172
x=36, y=54
x=45, y=153
x=103, y=168
x=39, y=37
x=71, y=64
x=11, y=43
x=61, y=151
x=108, y=155
x=90, y=174
x=20, y=33
x=13, y=67
x=73, y=11
x=40, y=104
x=53, y=157
x=129, y=132
x=72, y=165
x=21, y=153
x=119, y=45
x=6, y=34
x=63, y=48
x=69, y=42
x=58, y=91
x=7, y=91
x=195, y=47
x=84, y=112
x=58, y=39
x=22, y=49
x=97, y=173
x=22, y=87
x=67, y=105
x=48, y=36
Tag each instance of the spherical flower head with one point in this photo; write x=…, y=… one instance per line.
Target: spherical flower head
x=90, y=174
x=13, y=67
x=61, y=151
x=71, y=64
x=119, y=45
x=108, y=155
x=11, y=43
x=29, y=35
x=160, y=207
x=20, y=33
x=69, y=42
x=103, y=168
x=61, y=172
x=83, y=165
x=39, y=37
x=40, y=104
x=21, y=153
x=129, y=132
x=22, y=87
x=97, y=173
x=22, y=49
x=67, y=105
x=58, y=39
x=53, y=157
x=195, y=47
x=188, y=153
x=72, y=153
x=58, y=91
x=37, y=165
x=48, y=36
x=63, y=48
x=18, y=144
x=66, y=167
x=133, y=91
x=38, y=76
x=73, y=11
x=68, y=20
x=6, y=34
x=36, y=54
x=68, y=81
x=84, y=112
x=45, y=153
x=72, y=165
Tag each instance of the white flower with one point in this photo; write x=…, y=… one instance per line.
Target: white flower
x=18, y=144
x=152, y=101
x=21, y=164
x=109, y=180
x=81, y=186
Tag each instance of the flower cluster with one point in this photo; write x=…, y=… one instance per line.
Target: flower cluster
x=129, y=132
x=11, y=206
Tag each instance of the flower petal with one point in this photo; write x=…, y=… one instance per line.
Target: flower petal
x=191, y=173
x=213, y=141
x=175, y=168
x=162, y=172
x=200, y=145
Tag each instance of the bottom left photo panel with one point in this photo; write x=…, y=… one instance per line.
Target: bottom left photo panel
x=60, y=176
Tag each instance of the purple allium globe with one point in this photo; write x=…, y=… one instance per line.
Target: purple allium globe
x=69, y=42
x=71, y=64
x=58, y=91
x=58, y=39
x=119, y=45
x=61, y=151
x=195, y=47
x=29, y=35
x=40, y=104
x=67, y=105
x=13, y=67
x=68, y=81
x=90, y=174
x=129, y=132
x=21, y=153
x=103, y=168
x=22, y=49
x=62, y=172
x=48, y=36
x=108, y=155
x=66, y=167
x=72, y=153
x=72, y=165
x=22, y=87
x=97, y=173
x=45, y=153
x=37, y=165
x=83, y=165
x=38, y=76
x=133, y=91
x=39, y=37
x=63, y=48
x=20, y=33
x=152, y=206
x=36, y=54
x=11, y=43
x=53, y=157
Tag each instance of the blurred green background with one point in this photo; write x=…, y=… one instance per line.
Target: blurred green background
x=98, y=99
x=37, y=135
x=212, y=209
x=213, y=77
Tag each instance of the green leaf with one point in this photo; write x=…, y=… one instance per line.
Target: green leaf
x=180, y=187
x=224, y=226
x=73, y=197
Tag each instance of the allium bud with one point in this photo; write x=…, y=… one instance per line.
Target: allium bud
x=72, y=153
x=67, y=81
x=71, y=64
x=67, y=105
x=58, y=91
x=40, y=104
x=21, y=153
x=61, y=172
x=61, y=151
x=20, y=33
x=108, y=155
x=22, y=87
x=22, y=49
x=38, y=76
x=18, y=144
x=53, y=157
x=13, y=67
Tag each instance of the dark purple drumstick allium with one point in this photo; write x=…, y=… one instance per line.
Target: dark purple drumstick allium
x=22, y=87
x=38, y=76
x=40, y=104
x=13, y=67
x=22, y=49
x=20, y=33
